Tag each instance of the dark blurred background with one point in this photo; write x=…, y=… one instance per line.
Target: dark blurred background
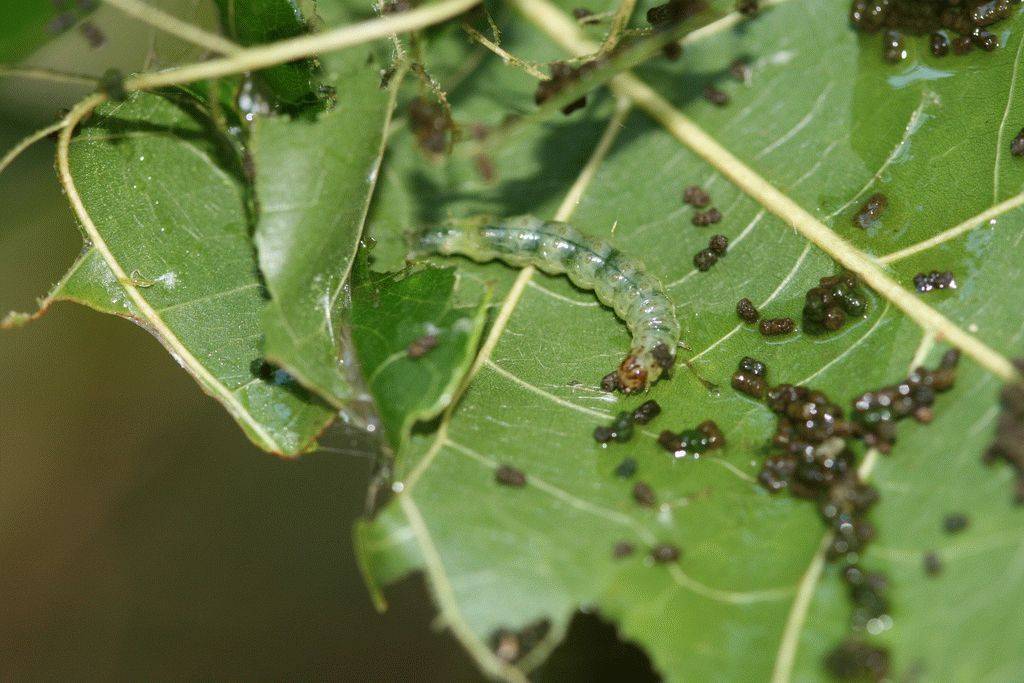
x=141, y=535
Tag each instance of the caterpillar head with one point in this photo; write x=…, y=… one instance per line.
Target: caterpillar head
x=642, y=367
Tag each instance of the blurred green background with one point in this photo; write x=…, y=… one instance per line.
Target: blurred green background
x=141, y=535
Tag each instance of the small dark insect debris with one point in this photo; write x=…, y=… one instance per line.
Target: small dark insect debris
x=932, y=564
x=954, y=523
x=385, y=77
x=563, y=76
x=420, y=347
x=584, y=16
x=741, y=70
x=673, y=12
x=509, y=476
x=644, y=494
x=1008, y=445
x=827, y=305
x=647, y=411
x=870, y=212
x=112, y=83
x=60, y=23
x=431, y=124
x=984, y=39
x=623, y=549
x=748, y=8
x=893, y=48
x=704, y=218
x=93, y=35
x=665, y=552
x=697, y=196
x=626, y=469
x=855, y=660
x=939, y=44
x=621, y=429
x=672, y=51
x=876, y=412
x=746, y=310
x=511, y=646
x=868, y=594
x=774, y=327
x=610, y=382
x=1017, y=144
x=704, y=259
x=716, y=96
x=962, y=45
x=750, y=378
x=927, y=282
x=707, y=436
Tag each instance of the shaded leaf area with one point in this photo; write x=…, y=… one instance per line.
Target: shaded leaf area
x=290, y=87
x=314, y=179
x=828, y=122
x=152, y=177
x=29, y=25
x=415, y=341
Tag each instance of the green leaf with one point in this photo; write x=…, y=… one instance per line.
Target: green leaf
x=392, y=317
x=314, y=179
x=293, y=86
x=828, y=122
x=171, y=216
x=27, y=26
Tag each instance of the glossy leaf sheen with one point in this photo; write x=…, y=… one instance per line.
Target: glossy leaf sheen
x=827, y=122
x=314, y=179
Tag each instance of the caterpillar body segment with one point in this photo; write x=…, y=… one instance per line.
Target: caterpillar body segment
x=590, y=263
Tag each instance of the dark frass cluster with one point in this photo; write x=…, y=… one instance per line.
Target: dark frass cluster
x=855, y=660
x=876, y=412
x=563, y=76
x=967, y=21
x=928, y=282
x=827, y=306
x=751, y=378
x=706, y=437
x=776, y=327
x=705, y=258
x=1008, y=446
x=747, y=311
x=621, y=428
x=813, y=460
x=871, y=211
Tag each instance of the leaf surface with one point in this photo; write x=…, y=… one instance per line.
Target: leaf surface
x=415, y=341
x=171, y=212
x=314, y=179
x=291, y=86
x=827, y=122
x=29, y=25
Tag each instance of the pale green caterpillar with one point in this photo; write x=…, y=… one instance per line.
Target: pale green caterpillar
x=590, y=263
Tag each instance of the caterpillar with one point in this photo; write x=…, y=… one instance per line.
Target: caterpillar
x=590, y=263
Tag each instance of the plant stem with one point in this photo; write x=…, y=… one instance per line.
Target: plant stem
x=283, y=51
x=169, y=23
